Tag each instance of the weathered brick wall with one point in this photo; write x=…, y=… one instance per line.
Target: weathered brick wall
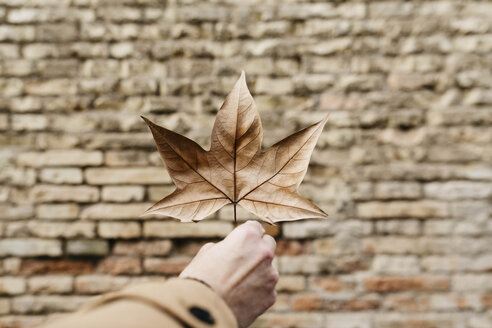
x=403, y=167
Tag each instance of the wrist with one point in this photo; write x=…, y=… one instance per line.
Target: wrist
x=199, y=280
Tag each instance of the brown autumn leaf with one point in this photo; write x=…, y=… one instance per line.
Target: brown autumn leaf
x=235, y=170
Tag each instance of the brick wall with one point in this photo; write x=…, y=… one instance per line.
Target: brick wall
x=403, y=167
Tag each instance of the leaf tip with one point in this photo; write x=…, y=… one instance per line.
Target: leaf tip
x=325, y=119
x=146, y=120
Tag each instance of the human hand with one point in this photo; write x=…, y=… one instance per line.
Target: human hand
x=239, y=268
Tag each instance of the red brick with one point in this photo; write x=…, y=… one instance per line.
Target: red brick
x=361, y=305
x=397, y=284
x=328, y=284
x=406, y=303
x=307, y=302
x=172, y=266
x=35, y=266
x=120, y=265
x=289, y=247
x=486, y=300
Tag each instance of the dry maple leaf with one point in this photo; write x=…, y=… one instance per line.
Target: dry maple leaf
x=235, y=170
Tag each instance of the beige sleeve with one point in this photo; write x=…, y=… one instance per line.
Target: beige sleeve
x=175, y=303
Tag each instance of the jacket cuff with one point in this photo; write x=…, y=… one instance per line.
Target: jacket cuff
x=189, y=301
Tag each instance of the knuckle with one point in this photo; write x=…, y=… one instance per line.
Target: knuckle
x=253, y=223
x=275, y=276
x=250, y=232
x=267, y=253
x=207, y=246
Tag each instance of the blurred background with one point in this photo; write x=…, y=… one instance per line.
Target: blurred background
x=403, y=168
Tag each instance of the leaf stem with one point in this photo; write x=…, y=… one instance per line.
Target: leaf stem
x=235, y=222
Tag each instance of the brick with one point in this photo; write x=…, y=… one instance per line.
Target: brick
x=120, y=265
x=454, y=190
x=171, y=266
x=398, y=284
x=60, y=158
x=57, y=211
x=438, y=227
x=87, y=247
x=138, y=86
x=454, y=154
x=406, y=303
x=51, y=87
x=367, y=303
x=120, y=14
x=12, y=285
x=15, y=212
x=187, y=230
x=105, y=211
x=122, y=193
x=410, y=82
x=11, y=265
x=61, y=176
x=308, y=229
x=62, y=266
x=334, y=246
x=9, y=51
x=446, y=264
x=471, y=282
x=202, y=13
x=307, y=10
x=30, y=247
x=77, y=229
x=329, y=284
x=15, y=229
x=145, y=248
x=125, y=158
x=391, y=245
x=4, y=122
x=17, y=33
x=271, y=319
x=148, y=175
x=398, y=227
x=4, y=306
x=11, y=87
x=97, y=85
x=122, y=230
x=50, y=284
x=397, y=265
x=96, y=284
x=291, y=283
x=291, y=247
x=307, y=264
x=397, y=190
x=400, y=209
x=4, y=193
x=348, y=320
x=50, y=193
x=17, y=176
x=47, y=303
x=274, y=86
x=75, y=123
x=29, y=122
x=307, y=302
